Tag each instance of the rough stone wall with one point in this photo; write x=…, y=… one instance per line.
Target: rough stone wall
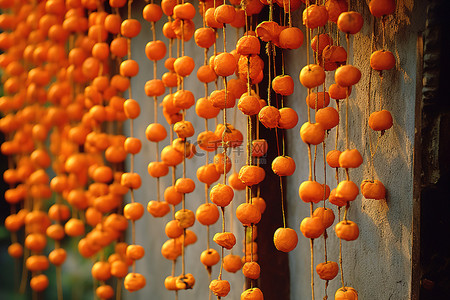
x=378, y=263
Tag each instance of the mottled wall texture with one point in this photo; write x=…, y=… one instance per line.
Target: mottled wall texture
x=378, y=264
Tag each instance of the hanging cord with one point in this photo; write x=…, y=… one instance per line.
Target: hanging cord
x=282, y=152
x=132, y=198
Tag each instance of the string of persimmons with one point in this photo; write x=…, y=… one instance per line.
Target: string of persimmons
x=67, y=66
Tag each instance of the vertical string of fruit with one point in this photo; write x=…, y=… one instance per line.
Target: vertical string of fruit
x=329, y=118
x=184, y=99
x=13, y=222
x=171, y=249
x=248, y=213
x=132, y=211
x=329, y=57
x=8, y=125
x=74, y=135
x=207, y=213
x=379, y=120
x=35, y=239
x=115, y=223
x=101, y=174
x=155, y=50
x=236, y=87
x=12, y=125
x=338, y=93
x=333, y=57
x=285, y=239
x=17, y=195
x=349, y=22
x=248, y=45
x=59, y=213
x=312, y=76
x=38, y=182
x=224, y=65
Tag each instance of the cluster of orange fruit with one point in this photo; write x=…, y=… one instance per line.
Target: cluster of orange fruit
x=330, y=57
x=224, y=64
x=64, y=109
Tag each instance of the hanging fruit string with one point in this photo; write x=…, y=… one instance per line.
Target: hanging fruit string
x=325, y=234
x=289, y=13
x=171, y=138
x=233, y=165
x=340, y=252
x=347, y=104
x=155, y=112
x=225, y=147
x=183, y=199
x=216, y=81
x=249, y=194
x=133, y=225
x=309, y=33
x=282, y=152
x=171, y=135
x=249, y=161
x=336, y=142
x=174, y=261
x=207, y=185
x=316, y=61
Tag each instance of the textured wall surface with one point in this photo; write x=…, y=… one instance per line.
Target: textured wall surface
x=378, y=264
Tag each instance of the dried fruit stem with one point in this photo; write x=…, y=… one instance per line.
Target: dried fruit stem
x=346, y=211
x=309, y=111
x=347, y=40
x=310, y=162
x=282, y=202
x=251, y=245
x=182, y=37
x=183, y=249
x=289, y=13
x=221, y=256
x=346, y=121
x=269, y=61
x=174, y=262
x=59, y=283
x=208, y=245
x=209, y=279
x=308, y=37
x=340, y=251
x=314, y=163
x=133, y=241
x=118, y=289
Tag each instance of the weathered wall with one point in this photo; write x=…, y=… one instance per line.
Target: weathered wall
x=378, y=263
